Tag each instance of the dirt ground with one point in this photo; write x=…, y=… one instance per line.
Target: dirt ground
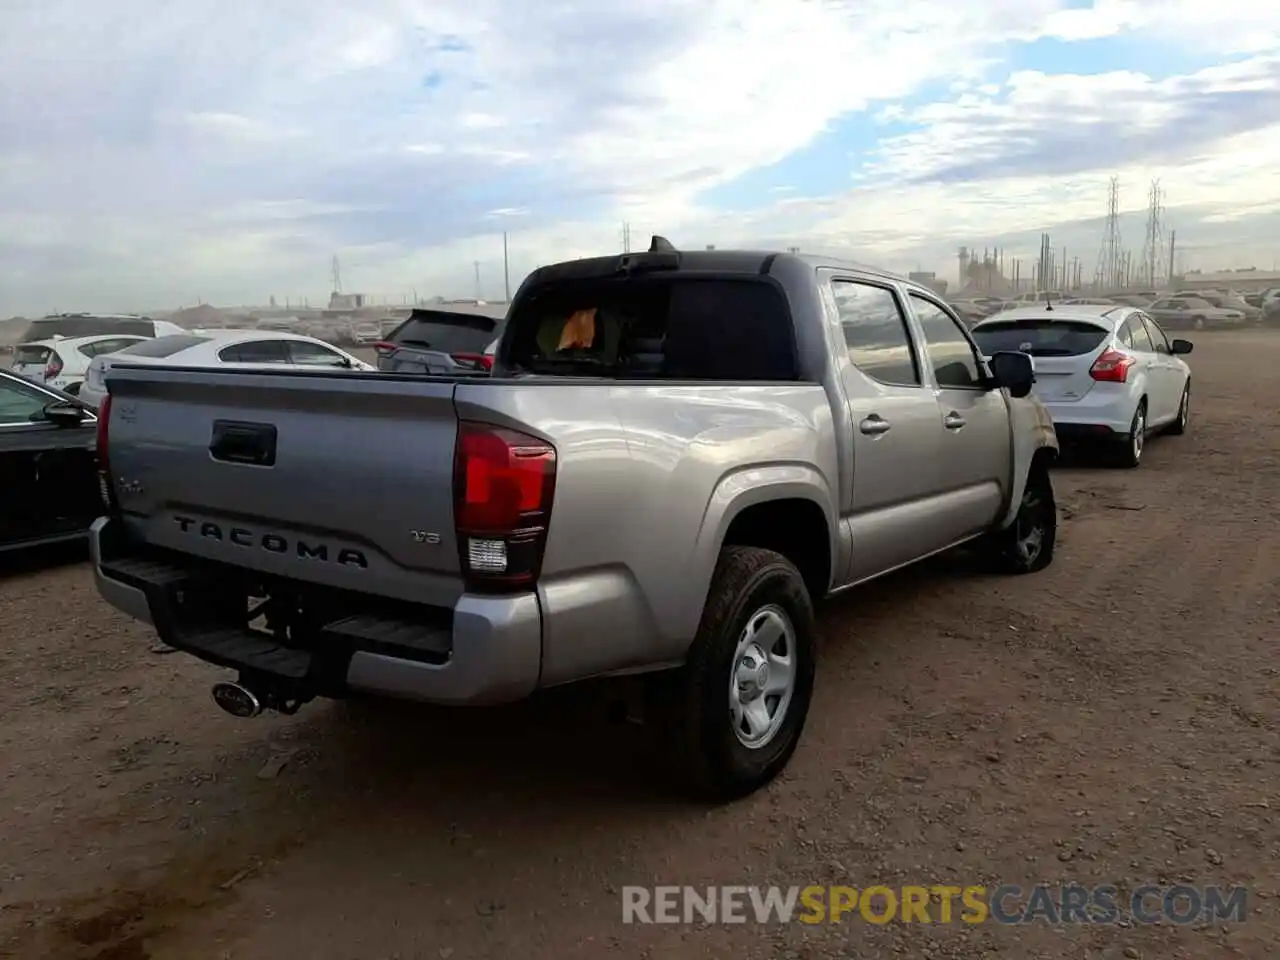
x=1111, y=720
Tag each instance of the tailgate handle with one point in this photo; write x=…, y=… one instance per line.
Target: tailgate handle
x=235, y=441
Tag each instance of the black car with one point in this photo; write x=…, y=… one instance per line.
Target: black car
x=441, y=341
x=49, y=489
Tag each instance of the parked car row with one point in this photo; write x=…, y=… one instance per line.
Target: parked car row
x=1190, y=309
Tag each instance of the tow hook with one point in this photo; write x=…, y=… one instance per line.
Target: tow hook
x=236, y=699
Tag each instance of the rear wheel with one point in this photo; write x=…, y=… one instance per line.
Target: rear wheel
x=1179, y=426
x=737, y=707
x=1128, y=451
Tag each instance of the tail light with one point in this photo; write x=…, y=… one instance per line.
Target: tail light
x=104, y=463
x=481, y=360
x=53, y=367
x=503, y=485
x=1112, y=367
x=384, y=348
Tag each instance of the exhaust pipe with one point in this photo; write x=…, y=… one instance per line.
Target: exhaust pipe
x=236, y=699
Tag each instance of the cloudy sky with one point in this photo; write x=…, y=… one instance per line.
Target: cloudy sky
x=156, y=153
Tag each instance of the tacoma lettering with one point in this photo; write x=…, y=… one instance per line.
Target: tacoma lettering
x=272, y=543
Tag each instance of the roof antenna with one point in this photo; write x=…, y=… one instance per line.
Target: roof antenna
x=1048, y=304
x=661, y=245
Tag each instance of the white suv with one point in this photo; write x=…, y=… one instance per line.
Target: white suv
x=62, y=362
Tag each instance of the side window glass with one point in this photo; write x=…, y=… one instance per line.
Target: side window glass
x=260, y=351
x=313, y=355
x=950, y=352
x=1141, y=341
x=19, y=404
x=1124, y=335
x=876, y=333
x=1157, y=336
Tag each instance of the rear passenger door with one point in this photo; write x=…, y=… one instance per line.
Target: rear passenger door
x=896, y=431
x=976, y=458
x=1144, y=351
x=1166, y=374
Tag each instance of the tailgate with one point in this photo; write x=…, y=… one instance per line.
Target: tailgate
x=343, y=479
x=1063, y=350
x=30, y=362
x=1063, y=379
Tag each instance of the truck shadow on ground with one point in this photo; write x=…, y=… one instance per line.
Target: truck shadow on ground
x=390, y=787
x=582, y=737
x=18, y=563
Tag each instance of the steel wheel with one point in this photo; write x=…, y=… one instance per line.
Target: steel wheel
x=763, y=677
x=1030, y=526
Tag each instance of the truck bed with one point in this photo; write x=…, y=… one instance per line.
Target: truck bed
x=358, y=493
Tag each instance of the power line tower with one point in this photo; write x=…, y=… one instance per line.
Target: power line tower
x=626, y=237
x=1108, y=271
x=337, y=275
x=1153, y=245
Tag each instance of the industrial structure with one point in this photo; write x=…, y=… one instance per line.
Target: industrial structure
x=1116, y=268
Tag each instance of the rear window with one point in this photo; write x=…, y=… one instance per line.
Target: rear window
x=88, y=327
x=679, y=328
x=1040, y=338
x=447, y=333
x=31, y=355
x=162, y=346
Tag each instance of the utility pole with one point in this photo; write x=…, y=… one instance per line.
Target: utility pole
x=1153, y=244
x=506, y=270
x=1173, y=247
x=477, y=266
x=626, y=237
x=1109, y=255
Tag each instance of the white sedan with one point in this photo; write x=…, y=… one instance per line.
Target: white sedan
x=267, y=349
x=1107, y=374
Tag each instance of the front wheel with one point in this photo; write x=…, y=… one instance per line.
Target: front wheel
x=737, y=707
x=1026, y=545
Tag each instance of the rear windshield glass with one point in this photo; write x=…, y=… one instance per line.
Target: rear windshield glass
x=1040, y=338
x=31, y=355
x=162, y=346
x=678, y=328
x=448, y=333
x=88, y=327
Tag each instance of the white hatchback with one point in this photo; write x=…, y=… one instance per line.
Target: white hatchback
x=269, y=349
x=1107, y=374
x=62, y=362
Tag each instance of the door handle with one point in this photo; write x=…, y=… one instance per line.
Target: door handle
x=874, y=425
x=953, y=421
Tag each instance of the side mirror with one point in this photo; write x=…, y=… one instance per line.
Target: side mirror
x=1181, y=346
x=62, y=414
x=1012, y=371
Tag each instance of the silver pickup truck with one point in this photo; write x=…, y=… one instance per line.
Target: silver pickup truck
x=676, y=455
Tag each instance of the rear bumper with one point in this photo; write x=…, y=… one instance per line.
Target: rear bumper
x=1096, y=416
x=489, y=652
